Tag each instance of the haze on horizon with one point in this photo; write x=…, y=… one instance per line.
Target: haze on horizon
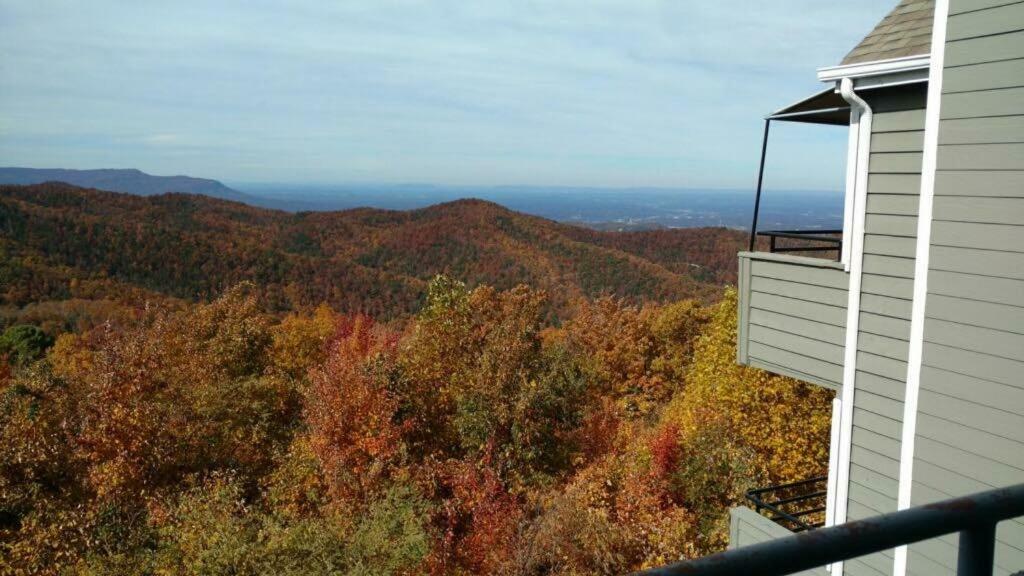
x=576, y=93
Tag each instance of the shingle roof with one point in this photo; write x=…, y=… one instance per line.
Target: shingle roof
x=906, y=31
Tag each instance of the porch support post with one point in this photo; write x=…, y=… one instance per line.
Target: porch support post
x=760, y=181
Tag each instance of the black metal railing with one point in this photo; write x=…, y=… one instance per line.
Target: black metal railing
x=974, y=517
x=797, y=506
x=810, y=241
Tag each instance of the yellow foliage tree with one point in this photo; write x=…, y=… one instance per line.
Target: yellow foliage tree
x=784, y=422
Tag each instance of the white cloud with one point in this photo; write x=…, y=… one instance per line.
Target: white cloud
x=634, y=92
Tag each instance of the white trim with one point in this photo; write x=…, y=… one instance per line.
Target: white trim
x=875, y=68
x=833, y=464
x=924, y=233
x=851, y=189
x=892, y=79
x=862, y=117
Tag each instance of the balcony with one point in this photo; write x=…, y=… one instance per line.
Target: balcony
x=816, y=243
x=779, y=511
x=792, y=316
x=797, y=506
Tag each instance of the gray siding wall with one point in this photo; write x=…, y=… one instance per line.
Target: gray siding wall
x=887, y=290
x=792, y=316
x=970, y=427
x=748, y=527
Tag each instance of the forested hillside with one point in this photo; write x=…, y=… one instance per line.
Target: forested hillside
x=63, y=244
x=194, y=386
x=130, y=181
x=473, y=438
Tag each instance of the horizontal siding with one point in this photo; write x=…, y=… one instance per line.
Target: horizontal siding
x=893, y=204
x=982, y=210
x=888, y=326
x=965, y=462
x=1003, y=184
x=748, y=527
x=983, y=103
x=799, y=291
x=826, y=277
x=970, y=421
x=826, y=351
x=981, y=339
x=881, y=366
x=995, y=420
x=880, y=413
x=895, y=163
x=876, y=462
x=808, y=328
x=793, y=317
x=871, y=502
x=972, y=5
x=898, y=121
x=977, y=364
x=978, y=23
x=890, y=246
x=906, y=141
x=987, y=49
x=999, y=130
x=983, y=76
x=1002, y=315
x=887, y=288
x=894, y=184
x=982, y=236
x=995, y=263
x=869, y=478
x=886, y=306
x=882, y=345
x=1001, y=156
x=889, y=266
x=795, y=364
x=886, y=225
x=985, y=393
x=881, y=386
x=972, y=287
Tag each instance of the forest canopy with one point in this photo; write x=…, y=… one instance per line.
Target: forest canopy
x=476, y=436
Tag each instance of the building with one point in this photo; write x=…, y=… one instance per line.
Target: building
x=914, y=312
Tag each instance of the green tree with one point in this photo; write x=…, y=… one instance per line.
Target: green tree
x=24, y=344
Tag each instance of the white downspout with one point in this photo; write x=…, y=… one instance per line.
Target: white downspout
x=861, y=115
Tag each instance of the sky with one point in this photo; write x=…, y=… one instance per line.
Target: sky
x=561, y=93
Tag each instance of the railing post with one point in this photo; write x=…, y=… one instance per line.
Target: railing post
x=977, y=551
x=760, y=180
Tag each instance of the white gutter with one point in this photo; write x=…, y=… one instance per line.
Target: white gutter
x=880, y=73
x=875, y=68
x=860, y=116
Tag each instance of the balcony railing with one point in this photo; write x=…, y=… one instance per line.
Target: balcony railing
x=974, y=517
x=804, y=241
x=797, y=507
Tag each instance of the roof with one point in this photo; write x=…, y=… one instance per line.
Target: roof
x=825, y=107
x=906, y=31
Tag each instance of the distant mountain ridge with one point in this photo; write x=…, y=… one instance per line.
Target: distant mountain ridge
x=60, y=242
x=127, y=181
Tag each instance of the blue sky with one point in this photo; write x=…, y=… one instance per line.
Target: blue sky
x=565, y=92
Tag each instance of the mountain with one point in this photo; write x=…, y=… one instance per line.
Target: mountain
x=129, y=181
x=60, y=242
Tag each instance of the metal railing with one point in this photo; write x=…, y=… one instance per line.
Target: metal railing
x=797, y=506
x=827, y=240
x=974, y=517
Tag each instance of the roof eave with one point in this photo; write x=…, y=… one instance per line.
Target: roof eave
x=889, y=72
